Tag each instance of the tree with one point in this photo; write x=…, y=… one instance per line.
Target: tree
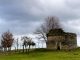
x=7, y=40
x=24, y=39
x=27, y=41
x=48, y=24
x=17, y=44
x=33, y=44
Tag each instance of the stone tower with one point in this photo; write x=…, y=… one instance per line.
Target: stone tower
x=58, y=39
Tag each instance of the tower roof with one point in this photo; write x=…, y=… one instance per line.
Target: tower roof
x=59, y=32
x=55, y=32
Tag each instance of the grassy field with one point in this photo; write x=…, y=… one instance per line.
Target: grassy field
x=44, y=55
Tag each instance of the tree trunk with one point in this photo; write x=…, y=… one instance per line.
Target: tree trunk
x=28, y=49
x=5, y=50
x=15, y=49
x=23, y=48
x=10, y=50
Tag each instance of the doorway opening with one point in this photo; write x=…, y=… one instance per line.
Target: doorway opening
x=58, y=45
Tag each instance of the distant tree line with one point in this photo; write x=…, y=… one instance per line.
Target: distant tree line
x=7, y=41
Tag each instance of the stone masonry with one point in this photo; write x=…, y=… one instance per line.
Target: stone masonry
x=58, y=39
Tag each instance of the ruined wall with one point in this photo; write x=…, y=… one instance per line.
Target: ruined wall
x=63, y=41
x=71, y=40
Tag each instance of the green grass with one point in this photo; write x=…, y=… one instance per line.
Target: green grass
x=44, y=55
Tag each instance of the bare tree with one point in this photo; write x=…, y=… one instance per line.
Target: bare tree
x=24, y=39
x=7, y=40
x=48, y=24
x=17, y=44
x=27, y=41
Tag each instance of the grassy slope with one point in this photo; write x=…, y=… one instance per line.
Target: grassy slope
x=44, y=55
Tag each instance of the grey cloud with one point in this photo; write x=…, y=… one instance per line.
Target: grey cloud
x=72, y=26
x=74, y=4
x=11, y=10
x=20, y=13
x=29, y=10
x=24, y=16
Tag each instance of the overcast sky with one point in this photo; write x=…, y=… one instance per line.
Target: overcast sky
x=22, y=17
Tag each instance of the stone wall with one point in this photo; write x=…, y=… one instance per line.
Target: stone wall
x=61, y=40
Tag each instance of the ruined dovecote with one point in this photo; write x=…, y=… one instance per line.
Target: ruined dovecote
x=58, y=39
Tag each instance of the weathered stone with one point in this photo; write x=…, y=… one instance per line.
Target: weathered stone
x=58, y=39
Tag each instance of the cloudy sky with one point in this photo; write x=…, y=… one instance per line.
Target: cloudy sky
x=22, y=17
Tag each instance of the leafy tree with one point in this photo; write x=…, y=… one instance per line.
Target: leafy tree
x=7, y=40
x=33, y=44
